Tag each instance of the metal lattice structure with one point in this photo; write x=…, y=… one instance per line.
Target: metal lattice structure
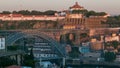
x=50, y=35
x=11, y=39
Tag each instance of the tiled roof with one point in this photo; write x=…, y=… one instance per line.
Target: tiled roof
x=76, y=6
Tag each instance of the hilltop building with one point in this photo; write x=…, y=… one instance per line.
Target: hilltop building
x=73, y=18
x=76, y=19
x=20, y=17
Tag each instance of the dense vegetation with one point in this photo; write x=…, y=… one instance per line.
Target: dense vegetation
x=79, y=11
x=89, y=13
x=29, y=59
x=33, y=12
x=109, y=56
x=93, y=13
x=113, y=21
x=7, y=61
x=12, y=48
x=52, y=12
x=75, y=53
x=11, y=25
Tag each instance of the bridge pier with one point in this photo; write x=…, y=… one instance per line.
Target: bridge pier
x=21, y=59
x=17, y=58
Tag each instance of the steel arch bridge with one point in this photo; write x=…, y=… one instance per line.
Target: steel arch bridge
x=11, y=39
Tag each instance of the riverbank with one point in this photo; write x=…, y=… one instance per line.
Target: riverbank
x=91, y=66
x=94, y=64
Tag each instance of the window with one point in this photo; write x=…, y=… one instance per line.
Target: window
x=1, y=39
x=1, y=45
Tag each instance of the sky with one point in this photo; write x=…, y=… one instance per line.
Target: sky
x=110, y=6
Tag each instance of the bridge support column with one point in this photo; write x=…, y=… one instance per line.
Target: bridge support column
x=21, y=59
x=63, y=62
x=18, y=59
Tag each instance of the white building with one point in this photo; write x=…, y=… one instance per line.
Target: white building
x=114, y=37
x=2, y=43
x=19, y=17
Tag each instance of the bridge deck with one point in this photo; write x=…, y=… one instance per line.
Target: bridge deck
x=10, y=53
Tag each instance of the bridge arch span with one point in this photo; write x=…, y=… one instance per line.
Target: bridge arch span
x=13, y=38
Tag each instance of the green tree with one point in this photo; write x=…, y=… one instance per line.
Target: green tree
x=101, y=13
x=24, y=12
x=90, y=13
x=113, y=21
x=74, y=53
x=34, y=12
x=107, y=44
x=79, y=11
x=62, y=39
x=6, y=12
x=29, y=59
x=6, y=61
x=115, y=44
x=12, y=48
x=109, y=56
x=49, y=12
x=31, y=54
x=68, y=40
x=14, y=12
x=93, y=13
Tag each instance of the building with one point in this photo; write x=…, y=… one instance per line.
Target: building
x=96, y=46
x=2, y=43
x=19, y=17
x=41, y=49
x=110, y=38
x=76, y=19
x=95, y=22
x=85, y=48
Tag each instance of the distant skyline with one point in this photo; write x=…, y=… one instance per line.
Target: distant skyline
x=110, y=6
